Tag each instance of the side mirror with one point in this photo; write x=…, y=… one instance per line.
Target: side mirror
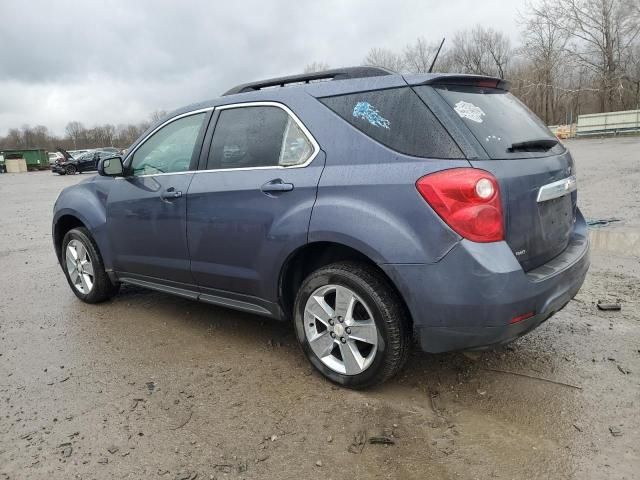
x=110, y=167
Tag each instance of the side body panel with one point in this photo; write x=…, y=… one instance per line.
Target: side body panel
x=89, y=163
x=239, y=236
x=148, y=233
x=367, y=197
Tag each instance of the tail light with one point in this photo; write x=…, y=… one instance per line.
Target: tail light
x=468, y=200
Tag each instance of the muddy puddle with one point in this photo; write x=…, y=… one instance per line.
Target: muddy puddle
x=615, y=240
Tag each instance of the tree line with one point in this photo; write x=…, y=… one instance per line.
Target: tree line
x=77, y=136
x=573, y=57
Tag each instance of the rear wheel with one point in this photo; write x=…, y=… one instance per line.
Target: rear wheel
x=352, y=325
x=83, y=267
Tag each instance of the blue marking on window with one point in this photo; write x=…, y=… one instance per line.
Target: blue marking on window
x=367, y=112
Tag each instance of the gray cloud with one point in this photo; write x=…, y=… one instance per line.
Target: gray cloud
x=117, y=61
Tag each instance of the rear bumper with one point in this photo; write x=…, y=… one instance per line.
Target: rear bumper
x=468, y=299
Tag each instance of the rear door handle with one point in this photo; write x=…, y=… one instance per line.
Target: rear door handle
x=170, y=194
x=276, y=185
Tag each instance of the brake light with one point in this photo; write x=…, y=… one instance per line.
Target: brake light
x=488, y=83
x=468, y=200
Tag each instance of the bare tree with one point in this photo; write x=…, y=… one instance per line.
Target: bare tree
x=381, y=57
x=40, y=136
x=13, y=138
x=543, y=48
x=109, y=134
x=28, y=136
x=601, y=37
x=77, y=136
x=157, y=115
x=75, y=131
x=482, y=51
x=316, y=67
x=419, y=55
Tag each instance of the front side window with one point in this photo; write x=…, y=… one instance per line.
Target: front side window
x=170, y=149
x=260, y=136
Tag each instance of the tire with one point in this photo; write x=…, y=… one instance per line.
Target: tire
x=70, y=170
x=376, y=304
x=89, y=288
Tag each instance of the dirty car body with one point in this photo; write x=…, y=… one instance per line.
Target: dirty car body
x=442, y=205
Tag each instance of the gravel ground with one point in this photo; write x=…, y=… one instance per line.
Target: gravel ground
x=153, y=386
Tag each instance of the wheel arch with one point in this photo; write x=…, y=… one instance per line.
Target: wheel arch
x=63, y=224
x=312, y=256
x=94, y=221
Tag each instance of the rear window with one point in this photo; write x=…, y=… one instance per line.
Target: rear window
x=397, y=118
x=504, y=126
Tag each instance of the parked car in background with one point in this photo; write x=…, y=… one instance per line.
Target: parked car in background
x=115, y=150
x=77, y=153
x=55, y=157
x=368, y=208
x=86, y=162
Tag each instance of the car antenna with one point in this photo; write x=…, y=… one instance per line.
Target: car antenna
x=436, y=57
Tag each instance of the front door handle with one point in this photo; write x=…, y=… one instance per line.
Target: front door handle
x=170, y=194
x=276, y=185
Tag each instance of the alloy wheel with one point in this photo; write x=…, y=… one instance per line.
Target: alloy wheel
x=340, y=329
x=79, y=266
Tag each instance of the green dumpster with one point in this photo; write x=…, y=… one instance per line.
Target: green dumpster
x=36, y=158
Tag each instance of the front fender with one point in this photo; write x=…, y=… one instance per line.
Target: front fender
x=86, y=202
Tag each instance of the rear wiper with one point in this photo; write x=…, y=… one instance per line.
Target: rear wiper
x=539, y=144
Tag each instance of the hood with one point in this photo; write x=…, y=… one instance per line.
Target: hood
x=65, y=154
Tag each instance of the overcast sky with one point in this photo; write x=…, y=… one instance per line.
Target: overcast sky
x=118, y=61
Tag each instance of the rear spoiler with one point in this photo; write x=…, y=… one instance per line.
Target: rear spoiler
x=460, y=80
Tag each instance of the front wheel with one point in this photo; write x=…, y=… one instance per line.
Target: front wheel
x=83, y=267
x=70, y=170
x=352, y=325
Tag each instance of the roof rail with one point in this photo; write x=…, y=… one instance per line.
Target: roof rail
x=335, y=74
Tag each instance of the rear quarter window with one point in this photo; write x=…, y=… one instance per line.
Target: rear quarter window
x=398, y=119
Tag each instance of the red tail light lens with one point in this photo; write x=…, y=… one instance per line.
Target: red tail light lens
x=522, y=317
x=468, y=200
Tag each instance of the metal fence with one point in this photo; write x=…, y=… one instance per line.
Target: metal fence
x=612, y=123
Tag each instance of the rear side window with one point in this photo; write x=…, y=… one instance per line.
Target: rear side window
x=260, y=136
x=397, y=118
x=504, y=126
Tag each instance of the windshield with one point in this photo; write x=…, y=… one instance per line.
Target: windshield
x=504, y=126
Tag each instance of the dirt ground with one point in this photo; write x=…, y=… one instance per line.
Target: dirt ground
x=153, y=386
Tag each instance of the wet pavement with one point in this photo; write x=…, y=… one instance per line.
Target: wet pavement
x=153, y=386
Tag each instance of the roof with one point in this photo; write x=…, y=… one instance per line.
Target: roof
x=319, y=84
